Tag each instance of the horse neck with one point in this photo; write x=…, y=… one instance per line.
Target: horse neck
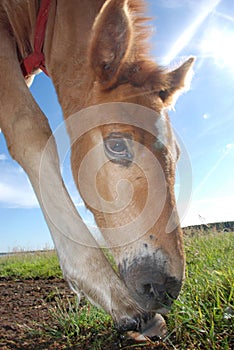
x=66, y=45
x=21, y=16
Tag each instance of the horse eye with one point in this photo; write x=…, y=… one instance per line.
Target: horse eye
x=117, y=146
x=118, y=150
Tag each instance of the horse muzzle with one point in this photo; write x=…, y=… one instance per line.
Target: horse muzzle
x=147, y=324
x=150, y=284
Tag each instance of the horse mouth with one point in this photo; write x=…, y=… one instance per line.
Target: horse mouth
x=155, y=328
x=146, y=326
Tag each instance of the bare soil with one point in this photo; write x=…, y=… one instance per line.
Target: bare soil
x=25, y=307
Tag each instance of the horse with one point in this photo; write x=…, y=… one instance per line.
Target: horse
x=114, y=99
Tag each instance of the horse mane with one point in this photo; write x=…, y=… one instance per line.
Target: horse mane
x=20, y=18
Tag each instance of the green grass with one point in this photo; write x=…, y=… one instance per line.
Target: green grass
x=202, y=317
x=79, y=323
x=33, y=265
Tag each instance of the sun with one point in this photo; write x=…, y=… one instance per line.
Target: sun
x=218, y=44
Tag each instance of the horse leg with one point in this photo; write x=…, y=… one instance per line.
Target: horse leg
x=32, y=145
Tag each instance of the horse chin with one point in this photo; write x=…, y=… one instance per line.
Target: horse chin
x=148, y=326
x=153, y=328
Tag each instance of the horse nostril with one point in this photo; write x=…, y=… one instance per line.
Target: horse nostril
x=157, y=295
x=146, y=288
x=154, y=290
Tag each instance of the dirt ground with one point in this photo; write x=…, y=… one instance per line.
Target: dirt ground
x=25, y=305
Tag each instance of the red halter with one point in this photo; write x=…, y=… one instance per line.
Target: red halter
x=37, y=59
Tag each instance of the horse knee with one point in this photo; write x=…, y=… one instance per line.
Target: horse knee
x=27, y=138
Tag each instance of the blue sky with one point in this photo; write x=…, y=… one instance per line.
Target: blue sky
x=203, y=119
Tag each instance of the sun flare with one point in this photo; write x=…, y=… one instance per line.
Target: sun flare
x=218, y=44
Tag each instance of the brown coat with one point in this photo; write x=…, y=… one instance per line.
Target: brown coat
x=124, y=152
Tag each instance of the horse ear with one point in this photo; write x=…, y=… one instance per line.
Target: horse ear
x=177, y=81
x=110, y=41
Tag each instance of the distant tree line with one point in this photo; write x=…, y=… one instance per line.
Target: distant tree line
x=226, y=226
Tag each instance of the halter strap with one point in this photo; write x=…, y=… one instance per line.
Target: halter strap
x=37, y=59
